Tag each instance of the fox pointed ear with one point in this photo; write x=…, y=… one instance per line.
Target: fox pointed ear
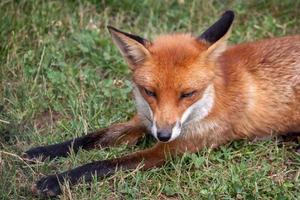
x=132, y=47
x=216, y=35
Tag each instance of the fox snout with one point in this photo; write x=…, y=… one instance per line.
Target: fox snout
x=166, y=133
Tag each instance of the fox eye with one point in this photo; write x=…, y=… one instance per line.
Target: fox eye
x=149, y=93
x=186, y=95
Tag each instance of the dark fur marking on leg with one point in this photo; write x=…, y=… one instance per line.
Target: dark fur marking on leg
x=63, y=149
x=116, y=134
x=50, y=185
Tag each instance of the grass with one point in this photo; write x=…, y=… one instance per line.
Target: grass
x=62, y=77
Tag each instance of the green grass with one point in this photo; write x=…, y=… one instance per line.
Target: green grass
x=62, y=77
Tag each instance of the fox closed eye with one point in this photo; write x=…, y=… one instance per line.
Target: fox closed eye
x=149, y=92
x=188, y=94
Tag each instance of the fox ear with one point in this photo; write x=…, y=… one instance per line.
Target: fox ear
x=132, y=47
x=216, y=35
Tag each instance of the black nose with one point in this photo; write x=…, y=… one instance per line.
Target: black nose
x=164, y=136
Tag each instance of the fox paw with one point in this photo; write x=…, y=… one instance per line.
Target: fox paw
x=44, y=152
x=38, y=153
x=48, y=186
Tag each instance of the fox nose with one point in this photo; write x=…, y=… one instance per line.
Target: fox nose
x=164, y=135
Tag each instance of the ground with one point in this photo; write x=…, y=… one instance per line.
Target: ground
x=62, y=77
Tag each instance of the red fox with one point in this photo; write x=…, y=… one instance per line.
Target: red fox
x=190, y=93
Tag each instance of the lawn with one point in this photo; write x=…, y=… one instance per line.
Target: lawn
x=62, y=77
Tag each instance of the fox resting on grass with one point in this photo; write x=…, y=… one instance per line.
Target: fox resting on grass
x=192, y=92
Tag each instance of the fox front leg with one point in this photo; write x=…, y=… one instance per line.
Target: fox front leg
x=153, y=157
x=128, y=132
x=149, y=158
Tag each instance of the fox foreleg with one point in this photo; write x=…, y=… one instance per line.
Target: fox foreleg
x=128, y=132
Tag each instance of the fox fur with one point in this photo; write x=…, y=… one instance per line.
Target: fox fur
x=192, y=92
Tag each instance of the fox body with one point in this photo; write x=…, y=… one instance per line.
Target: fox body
x=249, y=90
x=193, y=92
x=242, y=91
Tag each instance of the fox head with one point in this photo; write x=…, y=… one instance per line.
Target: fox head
x=173, y=75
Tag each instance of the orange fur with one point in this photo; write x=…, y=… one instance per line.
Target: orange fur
x=256, y=86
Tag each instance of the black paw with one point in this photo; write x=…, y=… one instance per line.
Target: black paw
x=38, y=153
x=49, y=151
x=48, y=186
